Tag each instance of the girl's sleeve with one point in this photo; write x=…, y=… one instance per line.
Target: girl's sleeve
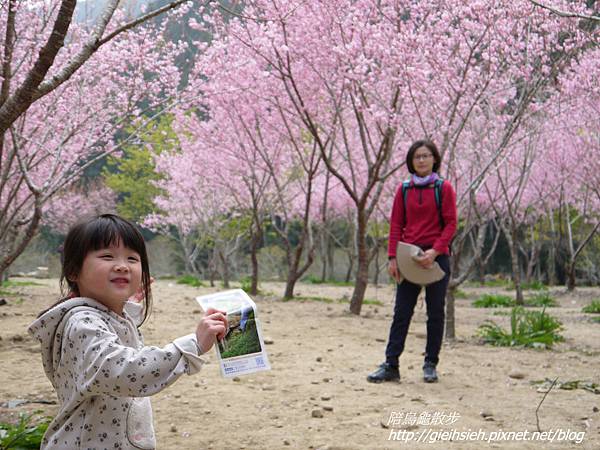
x=442, y=244
x=396, y=223
x=102, y=365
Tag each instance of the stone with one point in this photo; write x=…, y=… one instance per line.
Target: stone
x=325, y=397
x=595, y=409
x=328, y=408
x=173, y=429
x=516, y=374
x=319, y=359
x=235, y=379
x=317, y=413
x=486, y=413
x=2, y=301
x=268, y=341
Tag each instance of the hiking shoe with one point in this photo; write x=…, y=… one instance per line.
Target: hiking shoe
x=385, y=372
x=429, y=373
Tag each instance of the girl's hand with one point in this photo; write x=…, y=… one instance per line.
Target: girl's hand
x=213, y=326
x=428, y=258
x=139, y=294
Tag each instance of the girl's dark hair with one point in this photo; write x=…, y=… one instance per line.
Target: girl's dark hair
x=96, y=233
x=431, y=147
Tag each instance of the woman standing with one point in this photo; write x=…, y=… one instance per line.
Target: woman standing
x=419, y=218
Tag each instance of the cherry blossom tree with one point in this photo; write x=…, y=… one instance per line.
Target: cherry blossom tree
x=66, y=89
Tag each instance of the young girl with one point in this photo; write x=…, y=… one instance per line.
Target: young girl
x=92, y=349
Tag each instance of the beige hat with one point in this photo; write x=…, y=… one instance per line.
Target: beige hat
x=406, y=255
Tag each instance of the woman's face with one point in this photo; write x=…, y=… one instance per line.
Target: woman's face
x=423, y=161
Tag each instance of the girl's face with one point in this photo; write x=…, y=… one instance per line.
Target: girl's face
x=110, y=275
x=423, y=161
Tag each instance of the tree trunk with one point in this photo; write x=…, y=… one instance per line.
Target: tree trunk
x=377, y=268
x=571, y=276
x=225, y=265
x=323, y=244
x=552, y=253
x=516, y=269
x=254, y=259
x=450, y=333
x=362, y=273
x=330, y=259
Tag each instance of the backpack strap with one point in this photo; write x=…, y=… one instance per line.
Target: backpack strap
x=437, y=190
x=405, y=186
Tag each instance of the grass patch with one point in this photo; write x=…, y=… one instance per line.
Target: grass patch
x=541, y=299
x=368, y=301
x=595, y=319
x=527, y=328
x=499, y=283
x=243, y=343
x=312, y=279
x=10, y=283
x=534, y=286
x=309, y=298
x=27, y=433
x=501, y=313
x=190, y=280
x=4, y=293
x=570, y=385
x=493, y=301
x=592, y=308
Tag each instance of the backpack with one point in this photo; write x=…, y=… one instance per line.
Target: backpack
x=437, y=190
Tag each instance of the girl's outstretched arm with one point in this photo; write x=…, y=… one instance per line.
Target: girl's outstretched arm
x=96, y=362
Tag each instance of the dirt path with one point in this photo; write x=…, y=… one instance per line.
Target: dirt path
x=320, y=357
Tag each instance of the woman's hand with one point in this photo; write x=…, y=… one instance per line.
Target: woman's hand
x=393, y=270
x=213, y=326
x=427, y=259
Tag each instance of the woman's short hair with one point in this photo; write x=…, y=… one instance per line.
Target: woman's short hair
x=431, y=147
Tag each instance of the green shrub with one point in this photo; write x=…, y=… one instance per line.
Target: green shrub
x=534, y=286
x=592, y=308
x=527, y=328
x=25, y=434
x=312, y=279
x=541, y=299
x=243, y=343
x=500, y=283
x=190, y=280
x=493, y=301
x=246, y=283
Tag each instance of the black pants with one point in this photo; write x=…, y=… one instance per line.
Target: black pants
x=406, y=299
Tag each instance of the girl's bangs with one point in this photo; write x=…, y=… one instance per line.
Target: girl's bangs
x=105, y=232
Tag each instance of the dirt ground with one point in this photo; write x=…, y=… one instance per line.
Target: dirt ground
x=320, y=355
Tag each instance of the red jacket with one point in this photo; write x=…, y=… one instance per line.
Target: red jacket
x=423, y=223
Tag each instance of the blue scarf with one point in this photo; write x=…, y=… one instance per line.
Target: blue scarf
x=424, y=181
